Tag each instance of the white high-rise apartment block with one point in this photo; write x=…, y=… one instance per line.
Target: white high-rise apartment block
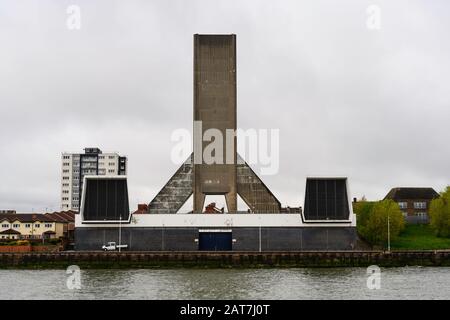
x=74, y=166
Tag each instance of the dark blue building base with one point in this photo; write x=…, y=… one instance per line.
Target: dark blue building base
x=242, y=238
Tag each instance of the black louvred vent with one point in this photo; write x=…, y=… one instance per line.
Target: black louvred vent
x=326, y=199
x=105, y=199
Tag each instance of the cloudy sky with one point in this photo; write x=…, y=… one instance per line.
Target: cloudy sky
x=369, y=104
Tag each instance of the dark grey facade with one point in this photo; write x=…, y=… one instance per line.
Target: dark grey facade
x=244, y=238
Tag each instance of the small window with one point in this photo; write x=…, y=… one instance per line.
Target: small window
x=403, y=205
x=420, y=214
x=420, y=205
x=37, y=225
x=27, y=225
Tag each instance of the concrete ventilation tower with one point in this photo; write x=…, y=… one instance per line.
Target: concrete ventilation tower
x=215, y=108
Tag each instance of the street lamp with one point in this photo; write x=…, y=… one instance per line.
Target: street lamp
x=120, y=231
x=389, y=234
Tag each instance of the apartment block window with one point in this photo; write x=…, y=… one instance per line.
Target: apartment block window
x=76, y=199
x=16, y=225
x=65, y=178
x=111, y=157
x=101, y=157
x=66, y=157
x=420, y=205
x=66, y=164
x=101, y=163
x=421, y=214
x=403, y=205
x=65, y=171
x=111, y=170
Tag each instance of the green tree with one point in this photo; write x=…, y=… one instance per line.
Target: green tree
x=440, y=214
x=372, y=221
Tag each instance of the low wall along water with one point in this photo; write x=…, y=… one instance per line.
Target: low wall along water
x=223, y=259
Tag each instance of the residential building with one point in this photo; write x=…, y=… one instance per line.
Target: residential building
x=413, y=202
x=74, y=166
x=67, y=219
x=8, y=211
x=37, y=225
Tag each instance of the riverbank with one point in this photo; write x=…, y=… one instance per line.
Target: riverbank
x=116, y=260
x=419, y=237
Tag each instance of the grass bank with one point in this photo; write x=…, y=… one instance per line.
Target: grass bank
x=419, y=237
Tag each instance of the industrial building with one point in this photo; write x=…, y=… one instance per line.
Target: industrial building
x=326, y=223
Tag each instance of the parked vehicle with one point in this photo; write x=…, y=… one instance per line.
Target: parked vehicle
x=112, y=246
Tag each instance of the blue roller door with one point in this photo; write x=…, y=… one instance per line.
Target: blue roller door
x=215, y=241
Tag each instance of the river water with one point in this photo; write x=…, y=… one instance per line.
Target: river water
x=336, y=283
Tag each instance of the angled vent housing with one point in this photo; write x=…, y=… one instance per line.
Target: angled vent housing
x=326, y=199
x=105, y=199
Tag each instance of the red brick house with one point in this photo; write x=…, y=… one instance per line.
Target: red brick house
x=413, y=202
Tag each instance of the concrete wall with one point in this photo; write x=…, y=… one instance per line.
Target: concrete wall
x=127, y=260
x=246, y=239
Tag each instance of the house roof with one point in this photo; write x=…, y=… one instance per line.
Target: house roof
x=407, y=193
x=26, y=217
x=63, y=217
x=10, y=231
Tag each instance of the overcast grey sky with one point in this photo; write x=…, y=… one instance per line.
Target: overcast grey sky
x=373, y=105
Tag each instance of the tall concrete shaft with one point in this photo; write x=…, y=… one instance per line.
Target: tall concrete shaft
x=215, y=107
